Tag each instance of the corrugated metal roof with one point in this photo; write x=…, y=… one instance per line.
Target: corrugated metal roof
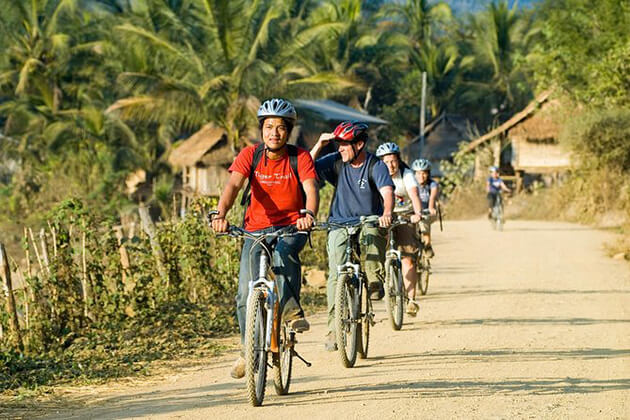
x=334, y=111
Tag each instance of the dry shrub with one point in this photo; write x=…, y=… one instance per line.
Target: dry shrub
x=466, y=201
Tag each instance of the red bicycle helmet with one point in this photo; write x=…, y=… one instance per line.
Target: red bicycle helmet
x=351, y=131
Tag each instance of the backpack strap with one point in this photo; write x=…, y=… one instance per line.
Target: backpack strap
x=258, y=153
x=292, y=151
x=375, y=192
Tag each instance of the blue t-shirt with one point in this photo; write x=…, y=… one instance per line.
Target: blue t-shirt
x=354, y=197
x=495, y=185
x=425, y=192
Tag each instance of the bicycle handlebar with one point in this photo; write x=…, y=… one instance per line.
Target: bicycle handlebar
x=364, y=220
x=237, y=232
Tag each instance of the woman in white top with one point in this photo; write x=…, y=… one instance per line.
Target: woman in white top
x=407, y=201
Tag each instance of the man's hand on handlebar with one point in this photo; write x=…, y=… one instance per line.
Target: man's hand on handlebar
x=306, y=221
x=219, y=223
x=385, y=220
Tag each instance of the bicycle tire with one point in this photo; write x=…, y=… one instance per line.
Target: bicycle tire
x=345, y=325
x=255, y=354
x=283, y=361
x=394, y=295
x=364, y=326
x=424, y=270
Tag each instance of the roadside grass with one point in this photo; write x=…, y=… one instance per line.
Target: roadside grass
x=187, y=332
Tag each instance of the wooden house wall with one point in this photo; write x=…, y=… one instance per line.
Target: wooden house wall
x=538, y=157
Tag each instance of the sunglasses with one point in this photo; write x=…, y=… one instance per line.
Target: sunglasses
x=343, y=142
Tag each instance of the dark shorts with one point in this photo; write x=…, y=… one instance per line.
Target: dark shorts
x=407, y=239
x=491, y=199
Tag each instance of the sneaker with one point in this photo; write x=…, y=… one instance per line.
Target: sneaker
x=412, y=308
x=331, y=342
x=300, y=325
x=238, y=368
x=429, y=251
x=376, y=290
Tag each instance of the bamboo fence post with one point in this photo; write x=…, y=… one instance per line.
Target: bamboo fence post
x=5, y=272
x=39, y=260
x=84, y=282
x=54, y=237
x=158, y=254
x=44, y=244
x=28, y=255
x=124, y=255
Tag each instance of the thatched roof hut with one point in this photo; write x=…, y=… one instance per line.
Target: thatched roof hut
x=203, y=159
x=532, y=136
x=441, y=139
x=208, y=146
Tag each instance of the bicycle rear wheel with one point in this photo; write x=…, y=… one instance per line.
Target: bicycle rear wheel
x=283, y=361
x=346, y=313
x=424, y=270
x=364, y=326
x=394, y=295
x=500, y=218
x=255, y=353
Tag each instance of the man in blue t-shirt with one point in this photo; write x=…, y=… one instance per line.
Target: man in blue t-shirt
x=494, y=186
x=363, y=187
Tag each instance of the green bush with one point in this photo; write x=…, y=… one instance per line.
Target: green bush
x=125, y=316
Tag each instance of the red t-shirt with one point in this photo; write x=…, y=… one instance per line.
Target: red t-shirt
x=276, y=197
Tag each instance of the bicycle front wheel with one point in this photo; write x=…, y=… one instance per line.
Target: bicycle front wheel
x=424, y=270
x=283, y=361
x=346, y=314
x=394, y=295
x=364, y=327
x=255, y=353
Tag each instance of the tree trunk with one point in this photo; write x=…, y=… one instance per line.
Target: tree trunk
x=158, y=254
x=5, y=272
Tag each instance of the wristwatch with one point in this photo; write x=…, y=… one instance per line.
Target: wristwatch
x=307, y=211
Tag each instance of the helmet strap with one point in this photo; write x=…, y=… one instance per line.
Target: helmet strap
x=356, y=152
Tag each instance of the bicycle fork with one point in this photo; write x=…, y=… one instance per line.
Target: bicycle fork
x=270, y=297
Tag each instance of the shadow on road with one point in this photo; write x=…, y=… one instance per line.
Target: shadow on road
x=459, y=388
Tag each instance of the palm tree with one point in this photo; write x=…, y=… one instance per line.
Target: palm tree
x=211, y=60
x=500, y=39
x=419, y=20
x=54, y=86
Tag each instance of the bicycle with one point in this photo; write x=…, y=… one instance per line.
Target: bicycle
x=423, y=263
x=395, y=296
x=497, y=219
x=353, y=308
x=265, y=331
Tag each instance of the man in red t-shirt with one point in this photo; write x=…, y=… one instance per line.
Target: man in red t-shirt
x=276, y=201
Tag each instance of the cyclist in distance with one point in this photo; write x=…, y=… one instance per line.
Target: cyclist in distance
x=494, y=186
x=428, y=190
x=407, y=200
x=283, y=181
x=363, y=187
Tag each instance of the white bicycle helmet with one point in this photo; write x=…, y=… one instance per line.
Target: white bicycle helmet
x=421, y=165
x=387, y=149
x=494, y=169
x=277, y=107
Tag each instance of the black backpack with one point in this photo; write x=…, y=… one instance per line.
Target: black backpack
x=292, y=151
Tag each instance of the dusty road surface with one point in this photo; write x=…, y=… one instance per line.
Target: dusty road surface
x=532, y=322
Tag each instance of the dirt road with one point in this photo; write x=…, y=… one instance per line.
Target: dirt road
x=532, y=322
